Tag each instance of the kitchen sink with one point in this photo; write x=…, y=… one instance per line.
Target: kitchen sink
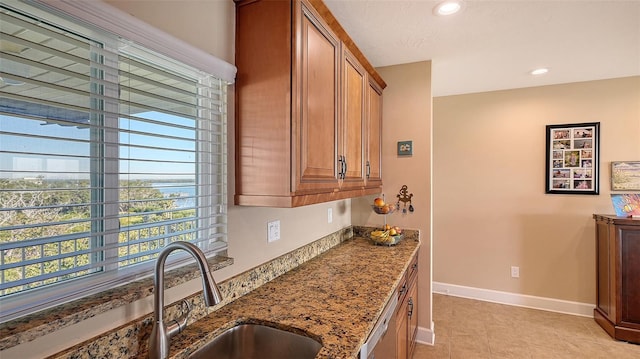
x=247, y=341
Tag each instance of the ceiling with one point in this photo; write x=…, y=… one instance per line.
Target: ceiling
x=493, y=45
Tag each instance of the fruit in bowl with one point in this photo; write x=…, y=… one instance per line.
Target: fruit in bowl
x=381, y=237
x=384, y=236
x=394, y=230
x=380, y=207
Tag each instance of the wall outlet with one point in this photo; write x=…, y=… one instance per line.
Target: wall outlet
x=330, y=215
x=273, y=231
x=515, y=272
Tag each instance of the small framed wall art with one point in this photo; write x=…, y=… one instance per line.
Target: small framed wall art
x=625, y=176
x=405, y=148
x=572, y=162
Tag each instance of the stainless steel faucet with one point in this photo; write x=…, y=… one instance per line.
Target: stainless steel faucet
x=162, y=333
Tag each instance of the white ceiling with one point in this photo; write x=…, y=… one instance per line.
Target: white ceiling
x=492, y=45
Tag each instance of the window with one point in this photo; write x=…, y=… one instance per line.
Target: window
x=108, y=152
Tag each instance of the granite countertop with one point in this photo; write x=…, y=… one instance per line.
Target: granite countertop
x=335, y=298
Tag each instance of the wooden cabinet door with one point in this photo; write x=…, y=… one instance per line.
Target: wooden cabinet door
x=353, y=122
x=402, y=336
x=412, y=317
x=605, y=274
x=373, y=165
x=316, y=108
x=629, y=269
x=618, y=275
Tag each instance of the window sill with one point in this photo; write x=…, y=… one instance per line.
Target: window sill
x=30, y=327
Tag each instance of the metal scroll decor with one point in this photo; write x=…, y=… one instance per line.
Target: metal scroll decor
x=405, y=197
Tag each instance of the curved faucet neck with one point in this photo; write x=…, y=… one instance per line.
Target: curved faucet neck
x=160, y=335
x=211, y=292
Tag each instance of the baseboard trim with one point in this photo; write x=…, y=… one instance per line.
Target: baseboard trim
x=426, y=336
x=519, y=300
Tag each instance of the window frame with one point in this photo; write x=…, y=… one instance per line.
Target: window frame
x=112, y=20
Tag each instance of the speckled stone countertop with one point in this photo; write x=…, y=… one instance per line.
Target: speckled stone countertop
x=335, y=298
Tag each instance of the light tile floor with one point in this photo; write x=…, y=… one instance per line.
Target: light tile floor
x=472, y=329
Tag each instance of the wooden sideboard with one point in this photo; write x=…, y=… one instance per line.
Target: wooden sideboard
x=618, y=276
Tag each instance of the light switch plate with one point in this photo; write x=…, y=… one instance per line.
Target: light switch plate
x=273, y=231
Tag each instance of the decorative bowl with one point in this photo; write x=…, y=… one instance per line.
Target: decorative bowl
x=386, y=240
x=386, y=209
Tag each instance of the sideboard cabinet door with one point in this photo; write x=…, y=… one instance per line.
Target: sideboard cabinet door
x=618, y=276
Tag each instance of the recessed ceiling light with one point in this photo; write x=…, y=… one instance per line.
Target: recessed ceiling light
x=447, y=8
x=540, y=71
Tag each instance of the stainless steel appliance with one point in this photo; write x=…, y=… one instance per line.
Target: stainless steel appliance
x=381, y=344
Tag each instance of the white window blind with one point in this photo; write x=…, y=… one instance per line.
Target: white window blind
x=108, y=152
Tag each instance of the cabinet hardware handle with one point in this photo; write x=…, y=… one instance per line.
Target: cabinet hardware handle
x=410, y=312
x=340, y=167
x=403, y=289
x=344, y=173
x=368, y=169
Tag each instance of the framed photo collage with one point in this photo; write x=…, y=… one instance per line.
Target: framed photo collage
x=572, y=164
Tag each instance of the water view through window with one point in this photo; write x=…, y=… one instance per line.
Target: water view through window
x=60, y=206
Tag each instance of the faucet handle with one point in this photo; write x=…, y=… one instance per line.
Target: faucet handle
x=178, y=324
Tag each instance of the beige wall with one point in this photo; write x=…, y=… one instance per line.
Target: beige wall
x=406, y=116
x=207, y=24
x=490, y=207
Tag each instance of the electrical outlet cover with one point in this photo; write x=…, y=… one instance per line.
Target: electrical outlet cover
x=273, y=231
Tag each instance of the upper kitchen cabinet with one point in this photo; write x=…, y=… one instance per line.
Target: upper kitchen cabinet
x=302, y=107
x=354, y=122
x=373, y=164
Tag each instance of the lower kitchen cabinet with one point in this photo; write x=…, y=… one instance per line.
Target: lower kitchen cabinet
x=412, y=315
x=618, y=276
x=407, y=313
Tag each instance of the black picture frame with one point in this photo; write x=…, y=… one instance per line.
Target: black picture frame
x=573, y=159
